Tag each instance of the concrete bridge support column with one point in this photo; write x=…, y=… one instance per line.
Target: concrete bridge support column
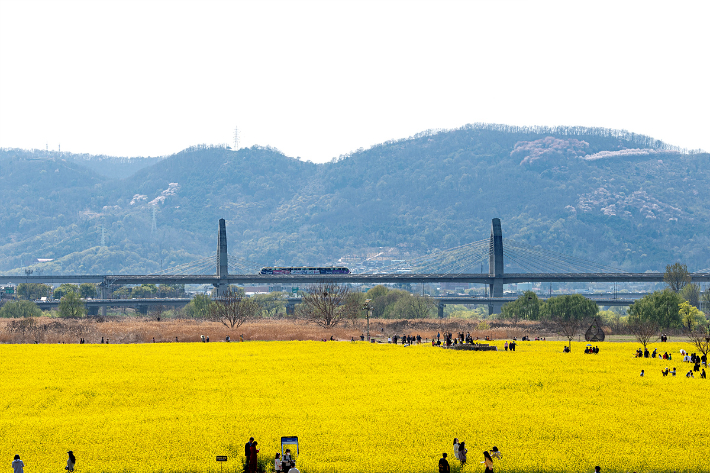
x=222, y=264
x=104, y=293
x=495, y=266
x=440, y=308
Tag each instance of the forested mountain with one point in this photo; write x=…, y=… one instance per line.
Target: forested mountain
x=622, y=199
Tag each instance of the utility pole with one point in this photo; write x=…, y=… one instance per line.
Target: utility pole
x=367, y=307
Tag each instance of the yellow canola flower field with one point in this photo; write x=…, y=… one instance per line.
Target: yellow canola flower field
x=356, y=407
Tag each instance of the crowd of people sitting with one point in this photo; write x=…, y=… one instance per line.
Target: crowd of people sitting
x=689, y=374
x=699, y=362
x=589, y=350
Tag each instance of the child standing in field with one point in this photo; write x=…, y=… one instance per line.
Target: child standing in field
x=71, y=461
x=17, y=465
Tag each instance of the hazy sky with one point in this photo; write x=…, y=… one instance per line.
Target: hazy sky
x=318, y=79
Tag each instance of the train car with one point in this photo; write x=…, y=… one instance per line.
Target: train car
x=305, y=270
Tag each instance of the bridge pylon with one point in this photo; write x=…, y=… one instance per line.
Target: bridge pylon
x=222, y=264
x=496, y=266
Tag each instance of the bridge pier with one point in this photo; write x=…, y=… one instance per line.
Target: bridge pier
x=495, y=266
x=103, y=294
x=440, y=309
x=222, y=264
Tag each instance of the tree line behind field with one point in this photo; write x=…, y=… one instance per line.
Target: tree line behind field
x=661, y=307
x=326, y=304
x=387, y=303
x=675, y=308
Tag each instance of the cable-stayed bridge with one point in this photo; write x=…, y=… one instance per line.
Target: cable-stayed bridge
x=463, y=264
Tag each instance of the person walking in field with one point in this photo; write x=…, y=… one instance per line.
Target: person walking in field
x=17, y=465
x=462, y=453
x=488, y=462
x=444, y=464
x=252, y=457
x=277, y=463
x=71, y=461
x=456, y=448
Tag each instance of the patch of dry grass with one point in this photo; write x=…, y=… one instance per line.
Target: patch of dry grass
x=143, y=330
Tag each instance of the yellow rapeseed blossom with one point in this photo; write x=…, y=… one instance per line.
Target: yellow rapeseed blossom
x=356, y=407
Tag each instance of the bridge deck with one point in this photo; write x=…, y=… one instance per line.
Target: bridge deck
x=507, y=278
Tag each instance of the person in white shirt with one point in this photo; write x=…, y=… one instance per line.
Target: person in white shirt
x=456, y=448
x=294, y=470
x=277, y=463
x=17, y=465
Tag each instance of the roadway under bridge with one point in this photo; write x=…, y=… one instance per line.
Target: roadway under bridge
x=92, y=304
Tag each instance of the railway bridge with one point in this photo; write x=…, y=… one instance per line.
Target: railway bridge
x=456, y=265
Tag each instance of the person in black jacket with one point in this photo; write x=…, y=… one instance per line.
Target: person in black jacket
x=247, y=451
x=444, y=464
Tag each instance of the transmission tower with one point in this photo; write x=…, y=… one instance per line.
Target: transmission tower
x=103, y=236
x=236, y=138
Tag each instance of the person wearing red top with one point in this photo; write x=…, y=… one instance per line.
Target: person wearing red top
x=252, y=457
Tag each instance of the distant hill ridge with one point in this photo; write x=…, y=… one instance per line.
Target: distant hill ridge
x=552, y=186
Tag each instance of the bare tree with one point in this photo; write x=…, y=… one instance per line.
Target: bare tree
x=327, y=304
x=676, y=276
x=158, y=310
x=567, y=327
x=644, y=329
x=700, y=337
x=568, y=314
x=233, y=309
